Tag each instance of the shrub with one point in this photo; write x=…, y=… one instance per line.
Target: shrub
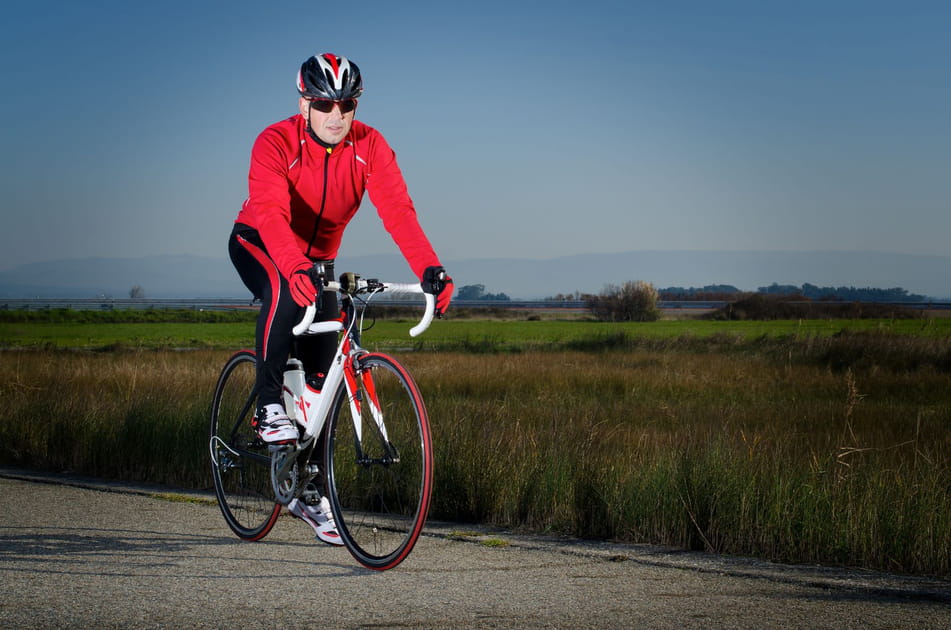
x=631, y=302
x=769, y=307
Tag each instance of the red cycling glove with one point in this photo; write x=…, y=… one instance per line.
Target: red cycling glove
x=445, y=296
x=303, y=288
x=436, y=282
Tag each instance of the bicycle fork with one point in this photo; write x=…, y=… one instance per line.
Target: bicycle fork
x=372, y=403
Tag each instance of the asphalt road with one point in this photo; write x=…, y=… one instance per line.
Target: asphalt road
x=77, y=553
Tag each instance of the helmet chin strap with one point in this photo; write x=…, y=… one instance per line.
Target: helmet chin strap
x=310, y=132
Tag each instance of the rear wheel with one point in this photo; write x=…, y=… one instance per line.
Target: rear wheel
x=240, y=462
x=379, y=463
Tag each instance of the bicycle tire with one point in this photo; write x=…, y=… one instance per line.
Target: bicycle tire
x=240, y=462
x=380, y=504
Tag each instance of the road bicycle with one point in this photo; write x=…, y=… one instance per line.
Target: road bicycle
x=365, y=441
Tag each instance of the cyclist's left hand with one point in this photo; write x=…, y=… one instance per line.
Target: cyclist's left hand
x=438, y=283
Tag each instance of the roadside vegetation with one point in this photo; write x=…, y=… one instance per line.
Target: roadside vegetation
x=629, y=302
x=761, y=307
x=820, y=441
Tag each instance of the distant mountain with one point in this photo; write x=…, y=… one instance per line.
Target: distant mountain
x=159, y=276
x=197, y=277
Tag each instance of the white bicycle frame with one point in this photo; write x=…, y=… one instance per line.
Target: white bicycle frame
x=310, y=408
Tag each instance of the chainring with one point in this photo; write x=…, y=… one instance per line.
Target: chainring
x=284, y=473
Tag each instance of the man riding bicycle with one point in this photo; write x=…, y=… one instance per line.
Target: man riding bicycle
x=306, y=181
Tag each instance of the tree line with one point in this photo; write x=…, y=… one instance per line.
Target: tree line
x=804, y=292
x=638, y=301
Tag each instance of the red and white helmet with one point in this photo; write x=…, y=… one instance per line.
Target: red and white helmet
x=329, y=76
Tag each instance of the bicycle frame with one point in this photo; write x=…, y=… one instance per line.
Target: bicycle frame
x=310, y=408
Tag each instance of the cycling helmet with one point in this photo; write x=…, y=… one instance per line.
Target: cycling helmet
x=329, y=76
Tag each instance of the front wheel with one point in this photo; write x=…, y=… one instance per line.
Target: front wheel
x=240, y=462
x=379, y=462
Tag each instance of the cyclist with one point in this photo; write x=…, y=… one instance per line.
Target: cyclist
x=306, y=181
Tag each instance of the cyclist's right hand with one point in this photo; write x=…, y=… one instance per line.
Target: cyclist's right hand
x=305, y=286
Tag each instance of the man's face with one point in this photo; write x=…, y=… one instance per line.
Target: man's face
x=331, y=126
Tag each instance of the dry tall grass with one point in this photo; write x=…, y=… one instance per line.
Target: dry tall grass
x=134, y=415
x=733, y=453
x=789, y=454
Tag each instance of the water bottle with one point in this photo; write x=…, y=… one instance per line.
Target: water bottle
x=293, y=386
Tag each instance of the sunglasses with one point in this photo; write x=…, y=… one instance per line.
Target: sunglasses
x=326, y=105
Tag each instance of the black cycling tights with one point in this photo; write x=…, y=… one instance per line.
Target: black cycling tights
x=279, y=314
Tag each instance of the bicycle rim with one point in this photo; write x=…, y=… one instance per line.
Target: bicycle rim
x=240, y=463
x=380, y=485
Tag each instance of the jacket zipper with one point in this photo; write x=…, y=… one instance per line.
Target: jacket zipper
x=323, y=202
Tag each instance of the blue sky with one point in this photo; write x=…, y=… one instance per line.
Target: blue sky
x=524, y=129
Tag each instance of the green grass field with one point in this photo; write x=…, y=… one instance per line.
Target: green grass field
x=817, y=441
x=490, y=334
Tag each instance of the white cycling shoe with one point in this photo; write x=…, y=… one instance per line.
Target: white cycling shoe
x=275, y=427
x=319, y=517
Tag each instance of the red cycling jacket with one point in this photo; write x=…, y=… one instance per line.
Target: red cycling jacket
x=301, y=195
